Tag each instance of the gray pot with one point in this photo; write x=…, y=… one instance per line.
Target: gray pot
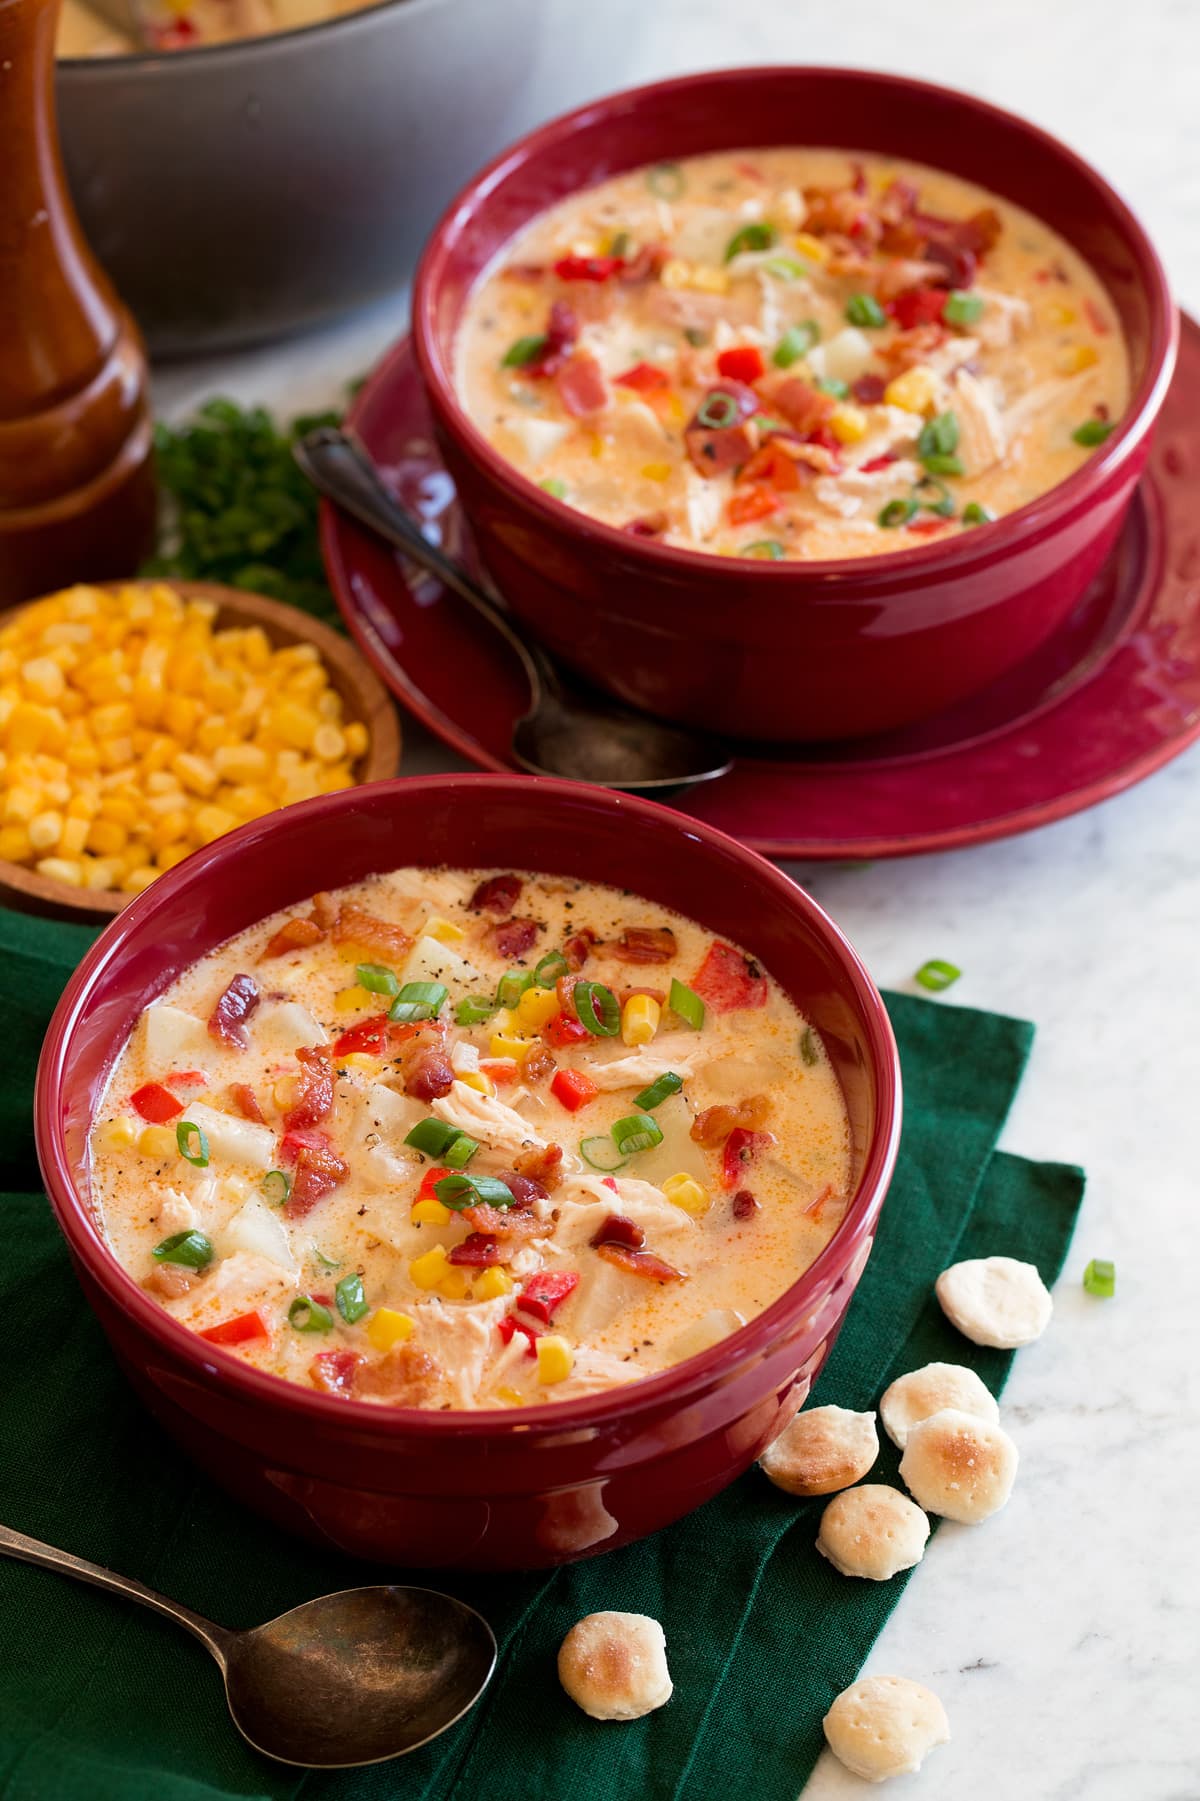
x=240, y=192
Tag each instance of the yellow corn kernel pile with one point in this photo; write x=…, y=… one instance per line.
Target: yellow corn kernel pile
x=132, y=733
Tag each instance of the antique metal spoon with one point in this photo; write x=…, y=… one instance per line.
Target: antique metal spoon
x=351, y=1678
x=568, y=731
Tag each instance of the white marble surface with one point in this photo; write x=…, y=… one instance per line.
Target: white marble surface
x=1063, y=1635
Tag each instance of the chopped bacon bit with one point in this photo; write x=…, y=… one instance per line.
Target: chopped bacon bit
x=369, y=1037
x=750, y=171
x=246, y=1102
x=428, y=1075
x=318, y=1172
x=544, y=1293
x=618, y=1229
x=522, y=272
x=577, y=949
x=715, y=448
x=478, y=1251
x=334, y=1372
x=325, y=910
x=752, y=503
x=498, y=895
x=588, y=268
x=910, y=347
x=727, y=980
x=539, y=1170
x=1095, y=317
x=650, y=261
x=882, y=461
x=565, y=990
x=515, y=936
x=407, y=1377
x=239, y=1330
x=562, y=1030
x=651, y=525
x=389, y=942
x=538, y=1064
x=170, y=1280
x=712, y=1127
x=502, y=1222
x=741, y=1149
x=316, y=1089
x=582, y=385
x=744, y=1204
x=639, y=1263
x=227, y=1022
x=155, y=1103
x=561, y=335
x=509, y=1326
x=310, y=1139
x=643, y=378
x=802, y=405
x=772, y=463
x=645, y=944
x=293, y=935
x=868, y=390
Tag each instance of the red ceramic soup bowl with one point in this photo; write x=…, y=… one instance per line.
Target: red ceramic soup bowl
x=786, y=650
x=487, y=1490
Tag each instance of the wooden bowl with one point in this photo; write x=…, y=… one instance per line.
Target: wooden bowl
x=363, y=698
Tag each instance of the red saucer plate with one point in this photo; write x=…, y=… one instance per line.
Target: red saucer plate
x=1114, y=696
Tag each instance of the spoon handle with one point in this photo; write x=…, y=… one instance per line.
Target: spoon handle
x=340, y=469
x=49, y=1557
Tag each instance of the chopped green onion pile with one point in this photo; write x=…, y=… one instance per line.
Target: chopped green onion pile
x=796, y=342
x=864, y=310
x=307, y=1315
x=637, y=1132
x=474, y=1010
x=512, y=986
x=418, y=1000
x=788, y=268
x=551, y=969
x=597, y=1008
x=523, y=351
x=755, y=236
x=1100, y=1278
x=765, y=550
x=975, y=513
x=685, y=1005
x=434, y=1138
x=809, y=1054
x=276, y=1186
x=554, y=485
x=376, y=979
x=962, y=309
x=937, y=443
x=937, y=975
x=193, y=1143
x=834, y=387
x=460, y=1153
x=1093, y=431
x=654, y=1096
x=602, y=1153
x=192, y=1249
x=462, y=1191
x=897, y=513
x=351, y=1301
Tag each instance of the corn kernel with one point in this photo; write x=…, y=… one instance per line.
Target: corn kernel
x=82, y=805
x=240, y=762
x=118, y=1134
x=170, y=854
x=195, y=773
x=359, y=1060
x=848, y=424
x=73, y=838
x=386, y=1328
x=14, y=843
x=444, y=931
x=1061, y=315
x=536, y=1006
x=213, y=822
x=429, y=1212
x=684, y=1191
x=328, y=743
x=657, y=472
x=915, y=391
x=511, y=1397
x=157, y=1141
x=555, y=1358
x=21, y=803
x=349, y=1000
x=455, y=1285
x=100, y=873
x=357, y=738
x=45, y=830
x=44, y=679
x=1078, y=358
x=120, y=809
x=505, y=1044
x=639, y=1019
x=108, y=839
x=138, y=878
x=115, y=721
x=429, y=1269
x=675, y=273
x=61, y=869
x=295, y=725
x=492, y=1284
x=811, y=247
x=170, y=827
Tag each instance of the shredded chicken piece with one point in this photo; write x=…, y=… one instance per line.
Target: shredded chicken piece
x=1004, y=318
x=982, y=439
x=176, y=1213
x=485, y=1118
x=645, y=1064
x=844, y=494
x=460, y=1340
x=950, y=355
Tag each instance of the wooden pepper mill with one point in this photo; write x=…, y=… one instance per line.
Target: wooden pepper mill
x=77, y=496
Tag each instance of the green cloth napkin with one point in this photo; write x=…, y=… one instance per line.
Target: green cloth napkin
x=103, y=1701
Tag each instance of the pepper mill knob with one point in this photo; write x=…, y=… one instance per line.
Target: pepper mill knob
x=77, y=498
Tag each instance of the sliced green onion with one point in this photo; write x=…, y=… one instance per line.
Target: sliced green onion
x=418, y=1000
x=976, y=514
x=796, y=342
x=766, y=550
x=307, y=1315
x=553, y=485
x=939, y=437
x=944, y=465
x=276, y=1186
x=462, y=1191
x=718, y=410
x=376, y=979
x=937, y=975
x=621, y=244
x=864, y=310
x=192, y=1249
x=1100, y=1278
x=637, y=1132
x=512, y=986
x=696, y=337
x=755, y=236
x=897, y=513
x=351, y=1301
x=193, y=1143
x=943, y=506
x=525, y=350
x=551, y=969
x=809, y=1054
x=325, y=1262
x=460, y=1152
x=767, y=423
x=688, y=1006
x=474, y=1010
x=832, y=386
x=603, y=1154
x=654, y=1096
x=598, y=1008
x=962, y=309
x=1093, y=431
x=666, y=181
x=432, y=1136
x=788, y=268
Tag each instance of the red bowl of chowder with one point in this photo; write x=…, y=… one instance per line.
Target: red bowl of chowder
x=798, y=403
x=470, y=1210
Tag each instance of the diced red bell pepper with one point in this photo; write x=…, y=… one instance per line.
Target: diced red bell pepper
x=239, y=1330
x=880, y=462
x=335, y=1371
x=315, y=1098
x=433, y=1175
x=369, y=1036
x=189, y=1078
x=770, y=463
x=588, y=268
x=643, y=378
x=741, y=1149
x=307, y=1138
x=227, y=1023
x=743, y=362
x=318, y=1172
x=561, y=1030
x=573, y=1089
x=727, y=980
x=502, y=1070
x=1095, y=317
x=544, y=1293
x=155, y=1103
x=477, y=1251
x=917, y=306
x=508, y=1326
x=752, y=503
